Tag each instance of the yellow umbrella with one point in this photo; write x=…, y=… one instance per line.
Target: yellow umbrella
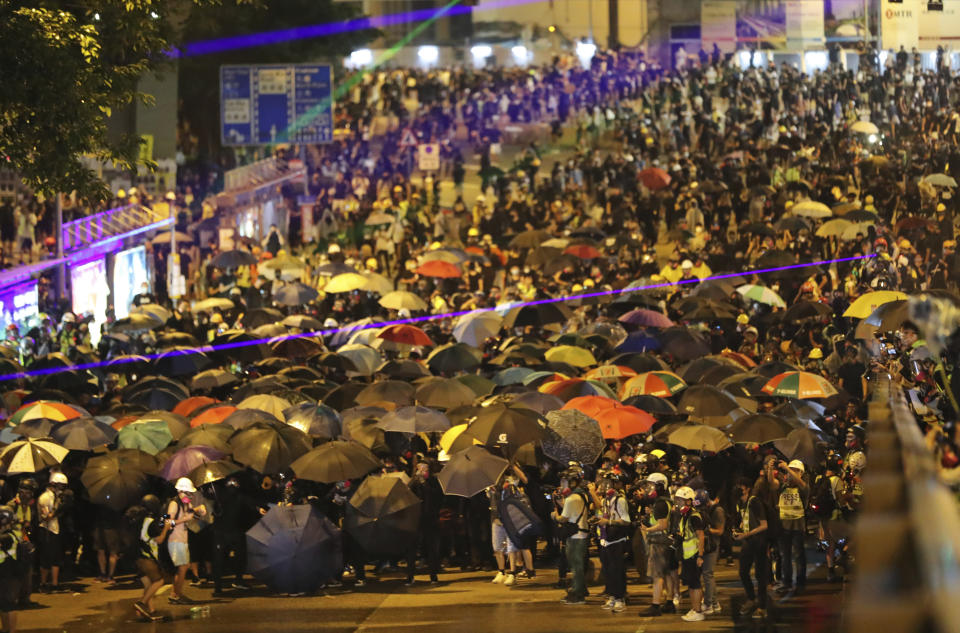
x=346, y=282
x=377, y=283
x=866, y=304
x=450, y=436
x=811, y=209
x=570, y=354
x=833, y=228
x=864, y=127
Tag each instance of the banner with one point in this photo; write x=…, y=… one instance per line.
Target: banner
x=129, y=277
x=845, y=20
x=91, y=294
x=900, y=24
x=939, y=28
x=718, y=25
x=804, y=24
x=762, y=24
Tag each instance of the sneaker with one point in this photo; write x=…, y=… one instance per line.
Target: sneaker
x=608, y=604
x=175, y=600
x=522, y=574
x=618, y=606
x=410, y=583
x=748, y=607
x=693, y=616
x=498, y=579
x=574, y=600
x=245, y=587
x=706, y=610
x=142, y=609
x=715, y=607
x=509, y=580
x=668, y=607
x=360, y=583
x=652, y=611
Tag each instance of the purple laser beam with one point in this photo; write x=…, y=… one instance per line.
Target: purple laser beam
x=219, y=45
x=419, y=319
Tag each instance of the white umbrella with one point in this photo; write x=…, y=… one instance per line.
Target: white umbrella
x=365, y=358
x=30, y=456
x=476, y=327
x=401, y=299
x=864, y=127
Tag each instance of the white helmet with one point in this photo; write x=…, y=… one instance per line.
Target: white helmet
x=330, y=322
x=797, y=464
x=856, y=461
x=185, y=485
x=685, y=492
x=58, y=478
x=658, y=478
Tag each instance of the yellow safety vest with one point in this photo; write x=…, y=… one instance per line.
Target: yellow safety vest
x=745, y=516
x=691, y=542
x=791, y=504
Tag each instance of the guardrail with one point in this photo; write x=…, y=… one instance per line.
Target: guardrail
x=89, y=230
x=907, y=536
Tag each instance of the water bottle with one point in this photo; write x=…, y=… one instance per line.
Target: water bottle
x=200, y=611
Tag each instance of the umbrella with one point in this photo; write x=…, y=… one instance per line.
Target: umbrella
x=471, y=471
x=698, y=437
x=38, y=428
x=529, y=239
x=403, y=369
x=620, y=421
x=155, y=399
x=889, y=316
x=213, y=379
x=799, y=384
x=772, y=368
x=706, y=400
x=415, y=420
x=302, y=322
x=334, y=268
x=590, y=405
x=646, y=318
x=403, y=300
x=377, y=283
x=405, y=334
x=181, y=361
x=510, y=427
x=454, y=357
x=793, y=224
x=379, y=218
x=940, y=180
x=867, y=303
x=639, y=362
x=154, y=310
x=512, y=376
x=214, y=436
x=243, y=418
x=383, y=516
x=662, y=384
x=295, y=294
x=268, y=449
x=214, y=415
x=536, y=401
x=654, y=178
x=759, y=428
x=44, y=410
x=344, y=396
x=83, y=434
x=187, y=459
x=834, y=228
x=233, y=259
x=261, y=316
x=396, y=391
x=444, y=393
x=209, y=472
x=806, y=310
x=800, y=444
x=610, y=373
x=280, y=265
x=335, y=461
x=149, y=436
x=439, y=268
x=570, y=354
x=861, y=216
x=478, y=384
x=345, y=282
x=582, y=251
x=299, y=347
x=293, y=549
x=811, y=209
x=535, y=315
x=117, y=479
x=569, y=388
x=30, y=456
x=683, y=344
x=135, y=323
x=475, y=328
x=762, y=294
x=864, y=127
x=572, y=436
x=316, y=420
x=264, y=402
x=241, y=346
x=855, y=232
x=213, y=304
x=164, y=239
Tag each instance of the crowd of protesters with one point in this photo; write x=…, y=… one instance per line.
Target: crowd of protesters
x=674, y=175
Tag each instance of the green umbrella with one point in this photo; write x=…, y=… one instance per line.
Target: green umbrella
x=150, y=436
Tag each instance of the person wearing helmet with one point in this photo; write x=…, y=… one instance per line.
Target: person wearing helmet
x=181, y=511
x=614, y=524
x=791, y=505
x=655, y=526
x=750, y=531
x=574, y=528
x=693, y=546
x=50, y=506
x=11, y=574
x=152, y=532
x=24, y=504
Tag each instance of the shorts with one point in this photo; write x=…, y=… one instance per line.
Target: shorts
x=10, y=585
x=106, y=539
x=151, y=569
x=179, y=553
x=690, y=573
x=501, y=540
x=49, y=549
x=660, y=560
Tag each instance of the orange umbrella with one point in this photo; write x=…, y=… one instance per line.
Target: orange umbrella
x=740, y=359
x=46, y=410
x=439, y=268
x=582, y=251
x=407, y=334
x=662, y=384
x=213, y=415
x=799, y=384
x=574, y=387
x=619, y=421
x=188, y=406
x=654, y=178
x=591, y=405
x=125, y=420
x=610, y=373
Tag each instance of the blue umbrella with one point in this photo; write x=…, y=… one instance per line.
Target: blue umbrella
x=638, y=341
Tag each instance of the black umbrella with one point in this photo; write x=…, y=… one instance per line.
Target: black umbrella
x=774, y=368
x=652, y=404
x=213, y=379
x=344, y=396
x=302, y=372
x=471, y=471
x=454, y=357
x=128, y=364
x=261, y=316
x=299, y=347
x=715, y=375
x=806, y=310
x=759, y=428
x=396, y=391
x=508, y=427
x=295, y=294
x=35, y=428
x=325, y=360
x=444, y=393
x=639, y=362
x=174, y=339
x=316, y=420
x=794, y=224
x=156, y=382
x=334, y=461
x=83, y=434
x=117, y=479
x=536, y=315
x=294, y=549
x=181, y=361
x=383, y=516
x=243, y=418
x=155, y=399
x=210, y=472
x=529, y=239
x=572, y=436
x=233, y=259
x=684, y=344
x=215, y=436
x=415, y=420
x=705, y=400
x=241, y=346
x=268, y=449
x=404, y=369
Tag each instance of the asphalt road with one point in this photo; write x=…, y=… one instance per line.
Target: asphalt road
x=465, y=602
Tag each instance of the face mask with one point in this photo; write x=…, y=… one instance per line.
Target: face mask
x=685, y=509
x=611, y=493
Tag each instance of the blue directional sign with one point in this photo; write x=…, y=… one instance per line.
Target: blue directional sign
x=268, y=104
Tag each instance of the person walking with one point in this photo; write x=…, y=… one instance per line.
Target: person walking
x=181, y=512
x=153, y=531
x=714, y=524
x=10, y=574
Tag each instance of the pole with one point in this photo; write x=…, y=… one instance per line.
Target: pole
x=61, y=269
x=590, y=16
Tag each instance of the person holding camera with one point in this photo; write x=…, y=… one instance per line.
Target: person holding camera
x=614, y=524
x=11, y=577
x=792, y=504
x=574, y=529
x=656, y=530
x=180, y=511
x=49, y=545
x=153, y=531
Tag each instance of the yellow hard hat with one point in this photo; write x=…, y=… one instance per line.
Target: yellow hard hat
x=434, y=246
x=905, y=244
x=216, y=318
x=788, y=204
x=576, y=288
x=588, y=283
x=371, y=263
x=785, y=346
x=743, y=319
x=473, y=232
x=121, y=194
x=941, y=207
x=783, y=128
x=649, y=140
x=659, y=454
x=815, y=354
x=868, y=199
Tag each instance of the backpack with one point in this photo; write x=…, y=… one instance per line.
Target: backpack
x=822, y=503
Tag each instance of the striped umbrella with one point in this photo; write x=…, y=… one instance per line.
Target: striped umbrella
x=44, y=409
x=573, y=387
x=799, y=384
x=30, y=456
x=761, y=294
x=610, y=373
x=662, y=384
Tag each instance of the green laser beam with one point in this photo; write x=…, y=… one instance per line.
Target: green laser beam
x=383, y=58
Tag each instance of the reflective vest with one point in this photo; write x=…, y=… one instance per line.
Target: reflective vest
x=791, y=504
x=745, y=515
x=659, y=538
x=691, y=542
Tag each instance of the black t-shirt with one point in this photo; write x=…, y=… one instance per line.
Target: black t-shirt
x=661, y=509
x=757, y=511
x=851, y=374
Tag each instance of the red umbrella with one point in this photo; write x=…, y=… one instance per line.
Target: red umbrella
x=654, y=178
x=188, y=406
x=583, y=251
x=439, y=268
x=408, y=334
x=214, y=415
x=590, y=405
x=620, y=421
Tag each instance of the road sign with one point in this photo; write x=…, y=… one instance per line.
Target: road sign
x=276, y=104
x=428, y=156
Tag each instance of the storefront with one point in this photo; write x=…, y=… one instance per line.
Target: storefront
x=90, y=293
